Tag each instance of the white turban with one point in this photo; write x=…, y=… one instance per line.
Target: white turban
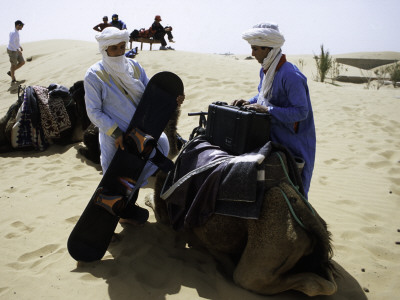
x=111, y=36
x=119, y=67
x=264, y=35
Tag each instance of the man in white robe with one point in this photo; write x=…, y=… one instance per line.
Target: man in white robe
x=113, y=89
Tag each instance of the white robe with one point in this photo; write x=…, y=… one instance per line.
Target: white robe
x=108, y=107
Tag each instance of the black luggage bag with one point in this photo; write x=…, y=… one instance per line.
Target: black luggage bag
x=235, y=129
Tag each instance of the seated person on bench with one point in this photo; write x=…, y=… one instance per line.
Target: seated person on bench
x=160, y=31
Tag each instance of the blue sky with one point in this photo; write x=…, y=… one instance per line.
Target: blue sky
x=215, y=26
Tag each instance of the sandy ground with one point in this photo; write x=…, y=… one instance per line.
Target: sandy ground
x=355, y=187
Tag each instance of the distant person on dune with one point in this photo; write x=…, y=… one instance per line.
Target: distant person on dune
x=117, y=23
x=100, y=27
x=14, y=51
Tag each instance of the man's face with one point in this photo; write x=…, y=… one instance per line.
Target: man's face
x=116, y=50
x=19, y=27
x=260, y=53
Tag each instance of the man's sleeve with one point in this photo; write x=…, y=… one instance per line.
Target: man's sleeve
x=94, y=105
x=297, y=107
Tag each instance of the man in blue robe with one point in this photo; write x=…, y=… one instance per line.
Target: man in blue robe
x=283, y=92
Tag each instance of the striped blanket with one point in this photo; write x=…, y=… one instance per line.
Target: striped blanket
x=40, y=119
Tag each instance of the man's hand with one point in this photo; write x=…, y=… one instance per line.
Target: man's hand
x=240, y=102
x=180, y=99
x=257, y=108
x=119, y=142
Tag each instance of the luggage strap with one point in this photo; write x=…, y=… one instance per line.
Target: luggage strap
x=161, y=161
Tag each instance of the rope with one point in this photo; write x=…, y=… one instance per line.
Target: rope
x=296, y=188
x=291, y=209
x=297, y=191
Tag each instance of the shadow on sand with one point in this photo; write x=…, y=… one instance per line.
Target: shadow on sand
x=152, y=262
x=13, y=89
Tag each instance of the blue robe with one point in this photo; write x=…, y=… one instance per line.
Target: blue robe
x=290, y=103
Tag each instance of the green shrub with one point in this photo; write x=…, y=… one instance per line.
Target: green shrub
x=324, y=63
x=395, y=74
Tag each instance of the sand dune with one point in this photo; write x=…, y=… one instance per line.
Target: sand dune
x=355, y=188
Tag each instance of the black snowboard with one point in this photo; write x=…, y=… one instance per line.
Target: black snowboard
x=92, y=233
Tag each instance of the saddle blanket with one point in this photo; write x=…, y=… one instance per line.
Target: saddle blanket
x=208, y=180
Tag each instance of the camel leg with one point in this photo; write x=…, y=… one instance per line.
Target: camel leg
x=275, y=244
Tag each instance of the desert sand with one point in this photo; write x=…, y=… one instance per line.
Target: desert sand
x=355, y=187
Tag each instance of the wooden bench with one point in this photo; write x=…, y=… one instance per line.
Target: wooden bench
x=144, y=40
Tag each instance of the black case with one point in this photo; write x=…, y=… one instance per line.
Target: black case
x=236, y=129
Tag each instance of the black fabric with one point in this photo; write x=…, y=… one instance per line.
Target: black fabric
x=77, y=92
x=57, y=90
x=31, y=101
x=196, y=194
x=239, y=181
x=193, y=202
x=161, y=161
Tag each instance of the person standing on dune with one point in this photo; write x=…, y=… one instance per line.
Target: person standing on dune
x=100, y=27
x=14, y=51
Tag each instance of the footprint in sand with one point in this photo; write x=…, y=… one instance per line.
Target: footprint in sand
x=346, y=202
x=373, y=148
x=3, y=290
x=22, y=230
x=346, y=108
x=340, y=164
x=394, y=171
x=372, y=217
x=350, y=234
x=72, y=220
x=378, y=163
x=39, y=253
x=42, y=258
x=372, y=229
x=331, y=161
x=323, y=180
x=388, y=154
